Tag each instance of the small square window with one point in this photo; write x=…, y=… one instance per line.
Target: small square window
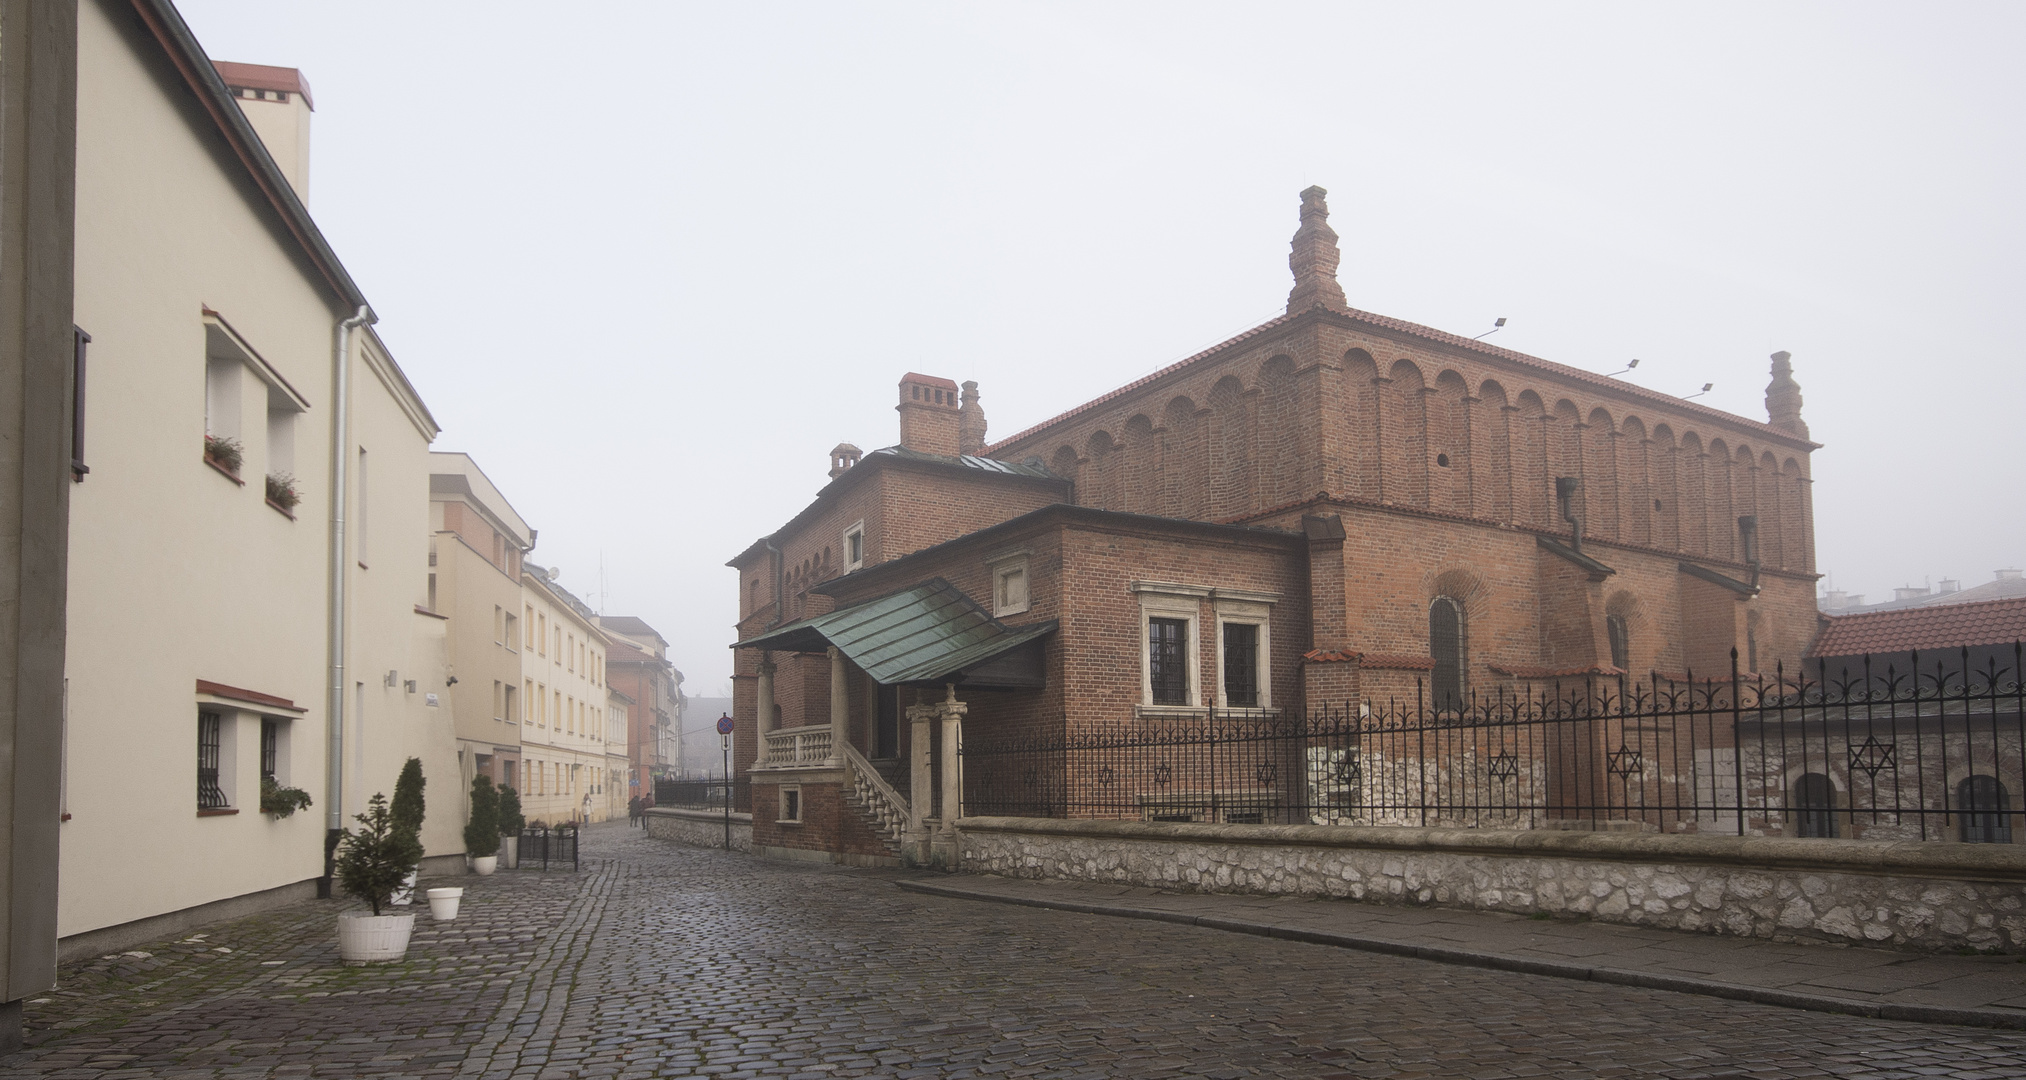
x=791, y=804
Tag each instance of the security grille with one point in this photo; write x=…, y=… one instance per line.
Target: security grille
x=209, y=795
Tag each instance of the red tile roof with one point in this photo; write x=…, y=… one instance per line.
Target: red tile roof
x=1939, y=626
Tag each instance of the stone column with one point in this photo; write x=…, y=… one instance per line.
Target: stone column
x=840, y=703
x=764, y=697
x=921, y=791
x=943, y=849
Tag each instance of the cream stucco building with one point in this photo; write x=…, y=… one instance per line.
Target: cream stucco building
x=235, y=383
x=563, y=741
x=477, y=543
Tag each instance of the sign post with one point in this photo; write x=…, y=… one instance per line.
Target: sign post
x=725, y=741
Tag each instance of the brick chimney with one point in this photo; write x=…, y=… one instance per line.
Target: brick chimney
x=1314, y=258
x=929, y=417
x=842, y=457
x=971, y=421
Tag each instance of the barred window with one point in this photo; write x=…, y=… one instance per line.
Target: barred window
x=1168, y=660
x=209, y=795
x=1814, y=806
x=1621, y=641
x=1241, y=665
x=270, y=746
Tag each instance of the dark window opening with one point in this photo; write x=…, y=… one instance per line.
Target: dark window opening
x=1241, y=665
x=270, y=746
x=1442, y=460
x=209, y=795
x=1814, y=806
x=1252, y=818
x=78, y=340
x=1656, y=504
x=1985, y=806
x=791, y=805
x=1167, y=660
x=1445, y=647
x=1621, y=642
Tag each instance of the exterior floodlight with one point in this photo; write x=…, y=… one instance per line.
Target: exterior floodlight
x=1705, y=389
x=1628, y=367
x=1495, y=328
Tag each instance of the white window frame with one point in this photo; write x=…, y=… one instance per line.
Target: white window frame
x=1250, y=613
x=782, y=818
x=856, y=528
x=1162, y=600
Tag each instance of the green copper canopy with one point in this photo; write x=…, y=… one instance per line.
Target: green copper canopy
x=930, y=633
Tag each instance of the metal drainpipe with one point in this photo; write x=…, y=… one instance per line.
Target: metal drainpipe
x=334, y=708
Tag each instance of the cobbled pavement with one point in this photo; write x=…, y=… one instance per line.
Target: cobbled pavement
x=662, y=961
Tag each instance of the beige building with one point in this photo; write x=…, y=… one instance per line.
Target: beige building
x=477, y=542
x=616, y=772
x=563, y=743
x=252, y=451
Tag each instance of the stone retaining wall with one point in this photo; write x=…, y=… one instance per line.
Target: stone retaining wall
x=1933, y=896
x=699, y=828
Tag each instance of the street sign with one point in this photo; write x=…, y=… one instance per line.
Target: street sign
x=724, y=725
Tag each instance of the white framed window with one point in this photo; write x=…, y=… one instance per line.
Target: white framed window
x=854, y=546
x=1170, y=659
x=791, y=805
x=1244, y=649
x=1009, y=587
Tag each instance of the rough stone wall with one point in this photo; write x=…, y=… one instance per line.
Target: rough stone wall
x=700, y=828
x=1750, y=897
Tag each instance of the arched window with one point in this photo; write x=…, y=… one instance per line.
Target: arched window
x=1445, y=647
x=1984, y=804
x=1814, y=804
x=1621, y=642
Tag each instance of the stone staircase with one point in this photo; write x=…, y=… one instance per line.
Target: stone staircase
x=874, y=799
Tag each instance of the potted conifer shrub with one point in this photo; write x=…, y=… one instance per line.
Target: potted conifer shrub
x=370, y=866
x=407, y=812
x=511, y=822
x=481, y=833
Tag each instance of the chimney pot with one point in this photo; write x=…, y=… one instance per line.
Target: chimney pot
x=929, y=419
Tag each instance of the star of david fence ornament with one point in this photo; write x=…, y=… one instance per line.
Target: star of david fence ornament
x=1031, y=777
x=1349, y=772
x=1163, y=774
x=1624, y=761
x=1105, y=776
x=1504, y=766
x=1264, y=774
x=1873, y=757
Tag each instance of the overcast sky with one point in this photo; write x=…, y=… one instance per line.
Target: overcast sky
x=649, y=262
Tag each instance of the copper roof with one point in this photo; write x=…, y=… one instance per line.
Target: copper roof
x=1941, y=626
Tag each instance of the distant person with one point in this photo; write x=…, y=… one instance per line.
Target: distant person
x=633, y=814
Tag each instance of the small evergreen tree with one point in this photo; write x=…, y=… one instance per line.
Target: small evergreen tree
x=511, y=822
x=408, y=808
x=481, y=833
x=373, y=862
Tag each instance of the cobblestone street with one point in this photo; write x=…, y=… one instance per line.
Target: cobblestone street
x=659, y=960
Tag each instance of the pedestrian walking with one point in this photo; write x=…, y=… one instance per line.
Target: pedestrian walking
x=633, y=814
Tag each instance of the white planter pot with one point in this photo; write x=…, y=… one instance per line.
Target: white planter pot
x=510, y=852
x=443, y=903
x=405, y=895
x=373, y=938
x=483, y=865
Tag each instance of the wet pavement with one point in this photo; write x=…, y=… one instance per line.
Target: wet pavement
x=663, y=961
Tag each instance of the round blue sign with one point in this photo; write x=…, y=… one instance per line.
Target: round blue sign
x=724, y=725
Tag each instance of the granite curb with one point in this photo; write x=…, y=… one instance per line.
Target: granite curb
x=2011, y=1019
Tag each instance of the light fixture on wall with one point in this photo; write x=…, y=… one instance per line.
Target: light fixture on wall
x=1705, y=389
x=1628, y=367
x=392, y=678
x=1495, y=328
x=409, y=686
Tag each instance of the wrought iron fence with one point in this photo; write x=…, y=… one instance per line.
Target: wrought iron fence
x=1932, y=752
x=546, y=845
x=705, y=794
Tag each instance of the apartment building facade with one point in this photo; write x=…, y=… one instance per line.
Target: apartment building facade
x=477, y=542
x=238, y=402
x=642, y=671
x=563, y=681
